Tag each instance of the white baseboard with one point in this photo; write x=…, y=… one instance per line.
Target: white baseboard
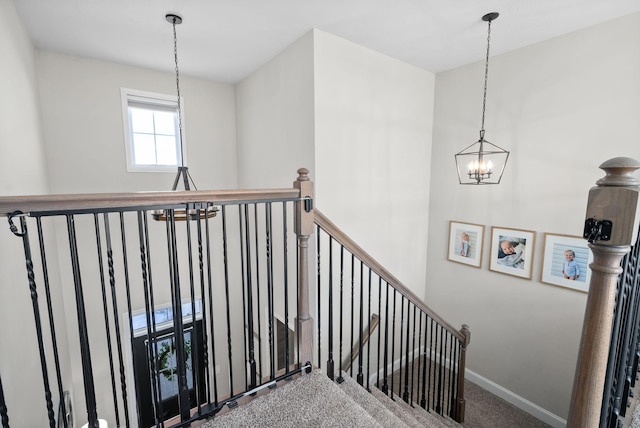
x=518, y=401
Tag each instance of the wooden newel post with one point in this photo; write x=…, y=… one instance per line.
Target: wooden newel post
x=460, y=401
x=304, y=229
x=611, y=228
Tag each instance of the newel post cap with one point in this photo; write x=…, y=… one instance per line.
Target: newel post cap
x=619, y=172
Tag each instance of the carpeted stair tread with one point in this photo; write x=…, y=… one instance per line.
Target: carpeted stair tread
x=427, y=418
x=369, y=403
x=421, y=415
x=397, y=409
x=310, y=401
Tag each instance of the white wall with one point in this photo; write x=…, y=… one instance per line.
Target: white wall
x=373, y=150
x=23, y=171
x=83, y=126
x=561, y=107
x=276, y=119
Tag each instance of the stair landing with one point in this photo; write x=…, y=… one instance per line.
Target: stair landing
x=314, y=400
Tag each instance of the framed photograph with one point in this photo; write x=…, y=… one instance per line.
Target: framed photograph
x=465, y=243
x=566, y=262
x=512, y=251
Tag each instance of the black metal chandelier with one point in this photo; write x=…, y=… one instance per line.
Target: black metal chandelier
x=183, y=171
x=482, y=162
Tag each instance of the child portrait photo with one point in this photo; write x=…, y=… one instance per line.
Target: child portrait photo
x=566, y=262
x=512, y=251
x=465, y=243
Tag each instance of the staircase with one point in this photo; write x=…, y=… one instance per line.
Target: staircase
x=315, y=400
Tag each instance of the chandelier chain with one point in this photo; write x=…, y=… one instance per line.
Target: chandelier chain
x=486, y=77
x=175, y=56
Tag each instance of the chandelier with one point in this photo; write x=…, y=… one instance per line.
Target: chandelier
x=183, y=171
x=482, y=162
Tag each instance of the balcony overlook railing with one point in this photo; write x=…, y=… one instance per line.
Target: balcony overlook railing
x=146, y=320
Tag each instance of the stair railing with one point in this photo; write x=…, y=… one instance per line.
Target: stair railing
x=416, y=355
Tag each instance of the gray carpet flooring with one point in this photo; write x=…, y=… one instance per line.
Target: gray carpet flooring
x=315, y=401
x=309, y=401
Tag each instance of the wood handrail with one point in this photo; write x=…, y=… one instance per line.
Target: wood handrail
x=102, y=201
x=337, y=234
x=373, y=324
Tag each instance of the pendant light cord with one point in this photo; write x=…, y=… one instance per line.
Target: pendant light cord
x=486, y=77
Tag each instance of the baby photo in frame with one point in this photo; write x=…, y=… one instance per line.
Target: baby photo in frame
x=512, y=251
x=566, y=262
x=465, y=243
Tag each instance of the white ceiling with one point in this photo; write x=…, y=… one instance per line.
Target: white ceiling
x=225, y=40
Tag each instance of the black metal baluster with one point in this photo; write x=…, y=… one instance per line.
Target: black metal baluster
x=36, y=313
x=253, y=381
x=611, y=400
x=287, y=359
x=341, y=356
x=211, y=312
x=379, y=330
x=245, y=315
x=625, y=372
x=361, y=328
x=152, y=350
x=123, y=237
x=54, y=340
x=632, y=368
x=408, y=364
x=269, y=255
x=330, y=363
x=369, y=334
x=393, y=340
x=245, y=312
x=83, y=334
x=195, y=348
x=227, y=295
x=401, y=333
x=319, y=294
x=430, y=392
x=116, y=320
x=423, y=356
x=202, y=332
x=259, y=304
x=178, y=326
x=385, y=385
x=440, y=371
x=4, y=414
x=413, y=356
x=105, y=311
x=449, y=340
x=635, y=347
x=352, y=314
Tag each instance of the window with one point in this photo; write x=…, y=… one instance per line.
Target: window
x=152, y=136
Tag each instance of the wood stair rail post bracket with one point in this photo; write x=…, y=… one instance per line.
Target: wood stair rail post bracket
x=611, y=227
x=304, y=227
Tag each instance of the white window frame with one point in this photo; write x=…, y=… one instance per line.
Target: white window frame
x=152, y=99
